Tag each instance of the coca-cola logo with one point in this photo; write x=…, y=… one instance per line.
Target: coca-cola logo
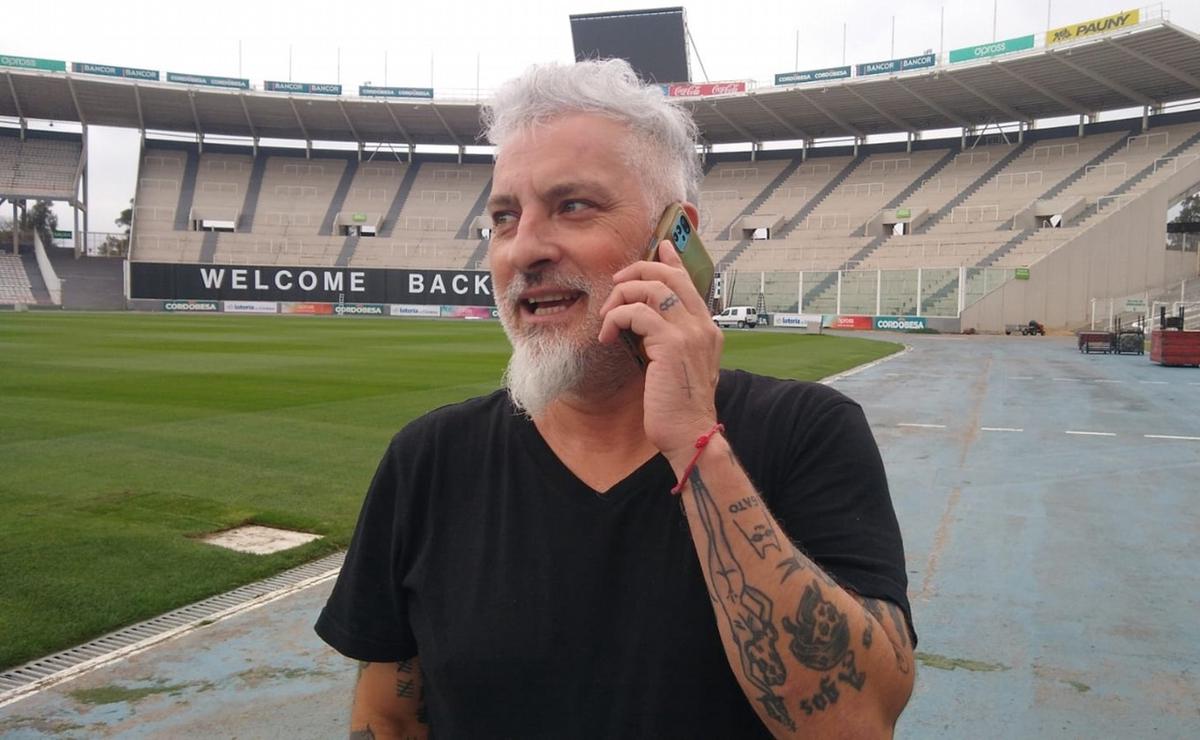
x=707, y=88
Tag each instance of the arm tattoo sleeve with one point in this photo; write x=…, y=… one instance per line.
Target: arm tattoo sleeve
x=747, y=610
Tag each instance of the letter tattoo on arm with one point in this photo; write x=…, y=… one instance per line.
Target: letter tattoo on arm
x=747, y=610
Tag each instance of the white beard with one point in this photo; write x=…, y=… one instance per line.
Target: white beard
x=548, y=363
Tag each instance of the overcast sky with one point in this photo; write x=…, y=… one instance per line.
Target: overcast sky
x=461, y=46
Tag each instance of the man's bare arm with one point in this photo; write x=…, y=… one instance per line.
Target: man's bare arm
x=813, y=660
x=389, y=702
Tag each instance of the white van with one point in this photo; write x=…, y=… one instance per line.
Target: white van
x=739, y=316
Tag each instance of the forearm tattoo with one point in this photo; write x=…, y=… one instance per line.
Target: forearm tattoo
x=747, y=610
x=820, y=631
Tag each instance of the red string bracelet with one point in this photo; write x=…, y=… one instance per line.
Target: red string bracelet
x=701, y=443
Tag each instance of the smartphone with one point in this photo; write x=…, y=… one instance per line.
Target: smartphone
x=676, y=226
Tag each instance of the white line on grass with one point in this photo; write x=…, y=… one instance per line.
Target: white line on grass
x=1001, y=429
x=1110, y=381
x=856, y=370
x=1020, y=377
x=1092, y=434
x=1153, y=382
x=923, y=426
x=1067, y=380
x=1171, y=436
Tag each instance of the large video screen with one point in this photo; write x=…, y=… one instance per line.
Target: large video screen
x=653, y=41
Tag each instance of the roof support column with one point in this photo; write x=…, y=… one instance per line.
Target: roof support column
x=360, y=151
x=86, y=200
x=908, y=140
x=461, y=149
x=16, y=230
x=754, y=147
x=963, y=146
x=1145, y=117
x=1082, y=120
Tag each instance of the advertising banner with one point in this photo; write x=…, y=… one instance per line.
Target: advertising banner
x=899, y=323
x=110, y=71
x=307, y=309
x=189, y=79
x=359, y=309
x=807, y=322
x=63, y=234
x=191, y=306
x=1021, y=273
x=46, y=65
x=374, y=91
x=861, y=323
x=812, y=75
x=997, y=48
x=1094, y=27
x=166, y=281
x=309, y=88
x=697, y=89
x=415, y=310
x=250, y=307
x=896, y=65
x=469, y=312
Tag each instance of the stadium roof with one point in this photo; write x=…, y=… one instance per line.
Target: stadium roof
x=1146, y=65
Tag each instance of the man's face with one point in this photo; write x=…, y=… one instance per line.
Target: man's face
x=567, y=212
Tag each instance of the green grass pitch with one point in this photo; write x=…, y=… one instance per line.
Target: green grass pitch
x=123, y=436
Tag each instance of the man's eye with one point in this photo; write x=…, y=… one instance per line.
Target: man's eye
x=574, y=206
x=503, y=217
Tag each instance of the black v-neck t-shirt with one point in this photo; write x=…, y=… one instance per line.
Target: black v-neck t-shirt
x=542, y=608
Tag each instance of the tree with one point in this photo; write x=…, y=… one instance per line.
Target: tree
x=125, y=220
x=40, y=218
x=118, y=246
x=1190, y=212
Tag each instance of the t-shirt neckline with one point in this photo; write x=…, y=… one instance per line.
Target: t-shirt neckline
x=648, y=476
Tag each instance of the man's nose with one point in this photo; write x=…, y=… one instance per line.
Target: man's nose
x=535, y=245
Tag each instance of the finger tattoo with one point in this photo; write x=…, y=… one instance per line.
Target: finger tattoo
x=669, y=301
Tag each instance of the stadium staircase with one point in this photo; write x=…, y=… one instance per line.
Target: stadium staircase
x=857, y=258
x=1017, y=239
x=89, y=282
x=790, y=224
x=761, y=198
x=257, y=171
x=338, y=201
x=1129, y=184
x=464, y=229
x=208, y=247
x=187, y=189
x=406, y=186
x=970, y=190
x=1073, y=178
x=347, y=253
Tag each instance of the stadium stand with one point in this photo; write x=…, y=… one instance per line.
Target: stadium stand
x=40, y=166
x=991, y=205
x=15, y=286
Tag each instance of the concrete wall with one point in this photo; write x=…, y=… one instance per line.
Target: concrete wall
x=1118, y=255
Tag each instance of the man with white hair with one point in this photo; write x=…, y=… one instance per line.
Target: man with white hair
x=604, y=551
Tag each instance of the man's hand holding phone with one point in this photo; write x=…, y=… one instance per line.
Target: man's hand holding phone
x=658, y=302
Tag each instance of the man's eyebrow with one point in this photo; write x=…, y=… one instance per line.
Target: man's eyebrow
x=501, y=201
x=592, y=188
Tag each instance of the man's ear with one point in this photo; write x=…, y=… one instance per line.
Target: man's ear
x=693, y=213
